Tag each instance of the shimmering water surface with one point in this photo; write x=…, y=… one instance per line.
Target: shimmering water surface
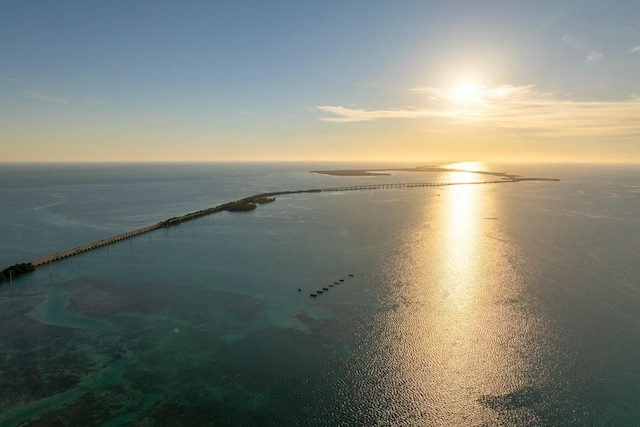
x=474, y=305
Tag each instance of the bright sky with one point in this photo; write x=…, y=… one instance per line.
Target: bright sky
x=320, y=80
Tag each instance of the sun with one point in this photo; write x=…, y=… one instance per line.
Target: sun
x=468, y=92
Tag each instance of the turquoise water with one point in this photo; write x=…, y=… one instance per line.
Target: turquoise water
x=511, y=304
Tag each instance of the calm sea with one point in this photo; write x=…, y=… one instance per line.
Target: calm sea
x=513, y=304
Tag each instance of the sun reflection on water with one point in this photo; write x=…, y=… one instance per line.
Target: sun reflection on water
x=461, y=326
x=460, y=245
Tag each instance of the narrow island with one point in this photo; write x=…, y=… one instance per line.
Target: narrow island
x=430, y=168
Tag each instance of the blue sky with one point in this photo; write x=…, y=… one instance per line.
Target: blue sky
x=325, y=80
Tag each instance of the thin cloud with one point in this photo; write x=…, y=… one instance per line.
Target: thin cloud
x=584, y=46
x=484, y=92
x=46, y=98
x=575, y=41
x=635, y=49
x=594, y=56
x=521, y=109
x=346, y=114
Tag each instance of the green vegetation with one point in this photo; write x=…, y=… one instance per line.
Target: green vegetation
x=248, y=204
x=15, y=270
x=240, y=206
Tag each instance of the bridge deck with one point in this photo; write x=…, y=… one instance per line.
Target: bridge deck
x=410, y=185
x=100, y=243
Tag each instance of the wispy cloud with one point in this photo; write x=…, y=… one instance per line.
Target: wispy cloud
x=346, y=114
x=480, y=94
x=46, y=98
x=521, y=109
x=635, y=49
x=584, y=46
x=575, y=41
x=594, y=56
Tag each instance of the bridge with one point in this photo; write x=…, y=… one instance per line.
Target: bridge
x=95, y=245
x=411, y=185
x=247, y=203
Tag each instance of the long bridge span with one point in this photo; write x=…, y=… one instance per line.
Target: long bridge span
x=100, y=243
x=245, y=204
x=392, y=186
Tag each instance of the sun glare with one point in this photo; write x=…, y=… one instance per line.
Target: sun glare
x=467, y=93
x=467, y=166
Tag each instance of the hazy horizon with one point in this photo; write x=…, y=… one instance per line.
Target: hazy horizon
x=443, y=163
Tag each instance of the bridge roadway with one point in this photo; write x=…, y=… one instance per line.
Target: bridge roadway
x=100, y=243
x=411, y=185
x=193, y=215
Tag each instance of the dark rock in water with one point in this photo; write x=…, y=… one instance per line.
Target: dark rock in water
x=299, y=290
x=526, y=397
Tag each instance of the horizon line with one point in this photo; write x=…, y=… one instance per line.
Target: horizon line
x=433, y=161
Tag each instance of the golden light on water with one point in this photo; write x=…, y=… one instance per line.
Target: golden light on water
x=460, y=274
x=457, y=335
x=461, y=240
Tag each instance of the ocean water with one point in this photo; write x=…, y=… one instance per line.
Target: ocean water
x=513, y=304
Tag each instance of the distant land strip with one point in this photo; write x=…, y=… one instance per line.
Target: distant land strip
x=379, y=172
x=252, y=202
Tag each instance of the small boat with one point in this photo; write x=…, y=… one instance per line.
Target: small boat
x=319, y=292
x=331, y=286
x=314, y=295
x=351, y=275
x=342, y=280
x=325, y=289
x=336, y=283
